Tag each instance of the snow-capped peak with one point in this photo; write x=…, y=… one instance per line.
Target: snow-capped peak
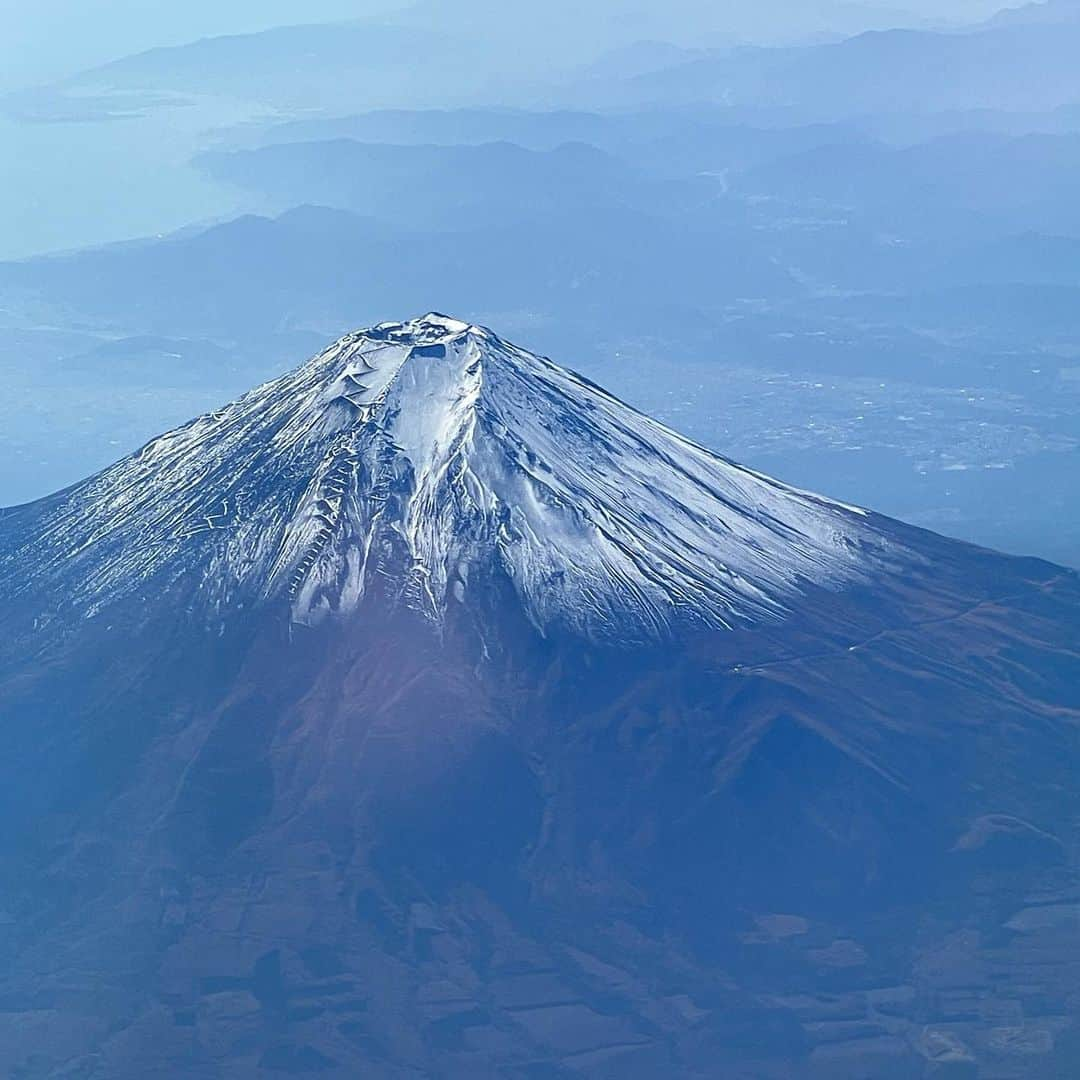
x=434, y=457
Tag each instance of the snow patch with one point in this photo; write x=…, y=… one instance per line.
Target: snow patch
x=434, y=455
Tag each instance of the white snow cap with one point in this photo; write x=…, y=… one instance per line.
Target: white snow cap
x=435, y=455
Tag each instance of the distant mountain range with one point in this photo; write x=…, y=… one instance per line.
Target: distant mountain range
x=885, y=71
x=1048, y=12
x=479, y=55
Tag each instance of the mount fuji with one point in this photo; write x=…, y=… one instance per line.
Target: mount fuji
x=429, y=712
x=432, y=453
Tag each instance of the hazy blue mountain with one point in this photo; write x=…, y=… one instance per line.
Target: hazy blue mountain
x=66, y=36
x=428, y=710
x=1053, y=12
x=974, y=183
x=685, y=23
x=433, y=185
x=673, y=143
x=640, y=58
x=317, y=267
x=532, y=129
x=56, y=39
x=481, y=53
x=301, y=67
x=884, y=71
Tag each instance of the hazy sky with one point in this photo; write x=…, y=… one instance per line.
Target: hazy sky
x=47, y=39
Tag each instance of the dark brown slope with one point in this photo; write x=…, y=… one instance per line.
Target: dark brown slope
x=842, y=845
